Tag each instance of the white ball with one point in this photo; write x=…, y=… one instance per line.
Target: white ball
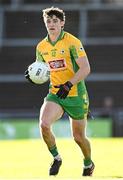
x=39, y=72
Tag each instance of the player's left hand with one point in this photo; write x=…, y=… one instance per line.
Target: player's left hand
x=64, y=89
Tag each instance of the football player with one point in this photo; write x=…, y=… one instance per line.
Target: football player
x=69, y=67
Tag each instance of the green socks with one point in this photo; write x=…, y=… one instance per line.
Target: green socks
x=87, y=162
x=53, y=150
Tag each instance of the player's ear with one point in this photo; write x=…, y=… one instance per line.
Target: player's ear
x=62, y=24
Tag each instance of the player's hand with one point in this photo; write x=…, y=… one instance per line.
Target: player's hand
x=26, y=74
x=64, y=89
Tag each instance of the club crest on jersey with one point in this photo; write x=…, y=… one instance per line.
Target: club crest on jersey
x=57, y=65
x=53, y=52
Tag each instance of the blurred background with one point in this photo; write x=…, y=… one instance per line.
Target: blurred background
x=99, y=25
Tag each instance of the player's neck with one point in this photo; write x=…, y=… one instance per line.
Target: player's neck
x=54, y=37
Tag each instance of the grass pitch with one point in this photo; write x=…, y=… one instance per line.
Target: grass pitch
x=30, y=159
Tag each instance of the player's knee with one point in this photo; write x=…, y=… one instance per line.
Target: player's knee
x=78, y=138
x=44, y=126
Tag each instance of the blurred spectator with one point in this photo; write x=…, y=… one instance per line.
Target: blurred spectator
x=108, y=105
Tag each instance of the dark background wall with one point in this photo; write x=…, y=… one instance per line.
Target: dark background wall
x=101, y=31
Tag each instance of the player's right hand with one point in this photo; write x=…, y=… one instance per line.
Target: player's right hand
x=26, y=74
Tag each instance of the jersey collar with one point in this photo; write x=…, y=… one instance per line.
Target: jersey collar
x=61, y=36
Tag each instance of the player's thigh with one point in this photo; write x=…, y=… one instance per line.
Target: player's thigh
x=79, y=127
x=50, y=112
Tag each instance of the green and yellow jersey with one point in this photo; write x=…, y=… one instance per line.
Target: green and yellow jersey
x=61, y=57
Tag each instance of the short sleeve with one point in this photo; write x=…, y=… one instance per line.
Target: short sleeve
x=39, y=56
x=77, y=49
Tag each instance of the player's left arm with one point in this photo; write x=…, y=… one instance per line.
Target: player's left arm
x=79, y=55
x=83, y=71
x=81, y=74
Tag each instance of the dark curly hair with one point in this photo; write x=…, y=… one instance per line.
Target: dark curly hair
x=59, y=13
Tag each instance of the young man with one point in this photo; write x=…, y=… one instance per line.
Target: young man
x=69, y=67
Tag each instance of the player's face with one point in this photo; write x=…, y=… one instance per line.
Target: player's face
x=53, y=25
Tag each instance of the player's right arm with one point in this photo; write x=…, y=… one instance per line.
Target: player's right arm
x=39, y=56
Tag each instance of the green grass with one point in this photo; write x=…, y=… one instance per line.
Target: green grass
x=30, y=159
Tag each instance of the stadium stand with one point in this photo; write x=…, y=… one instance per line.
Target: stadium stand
x=16, y=59
x=53, y=1
x=105, y=58
x=30, y=24
x=98, y=25
x=105, y=23
x=5, y=2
